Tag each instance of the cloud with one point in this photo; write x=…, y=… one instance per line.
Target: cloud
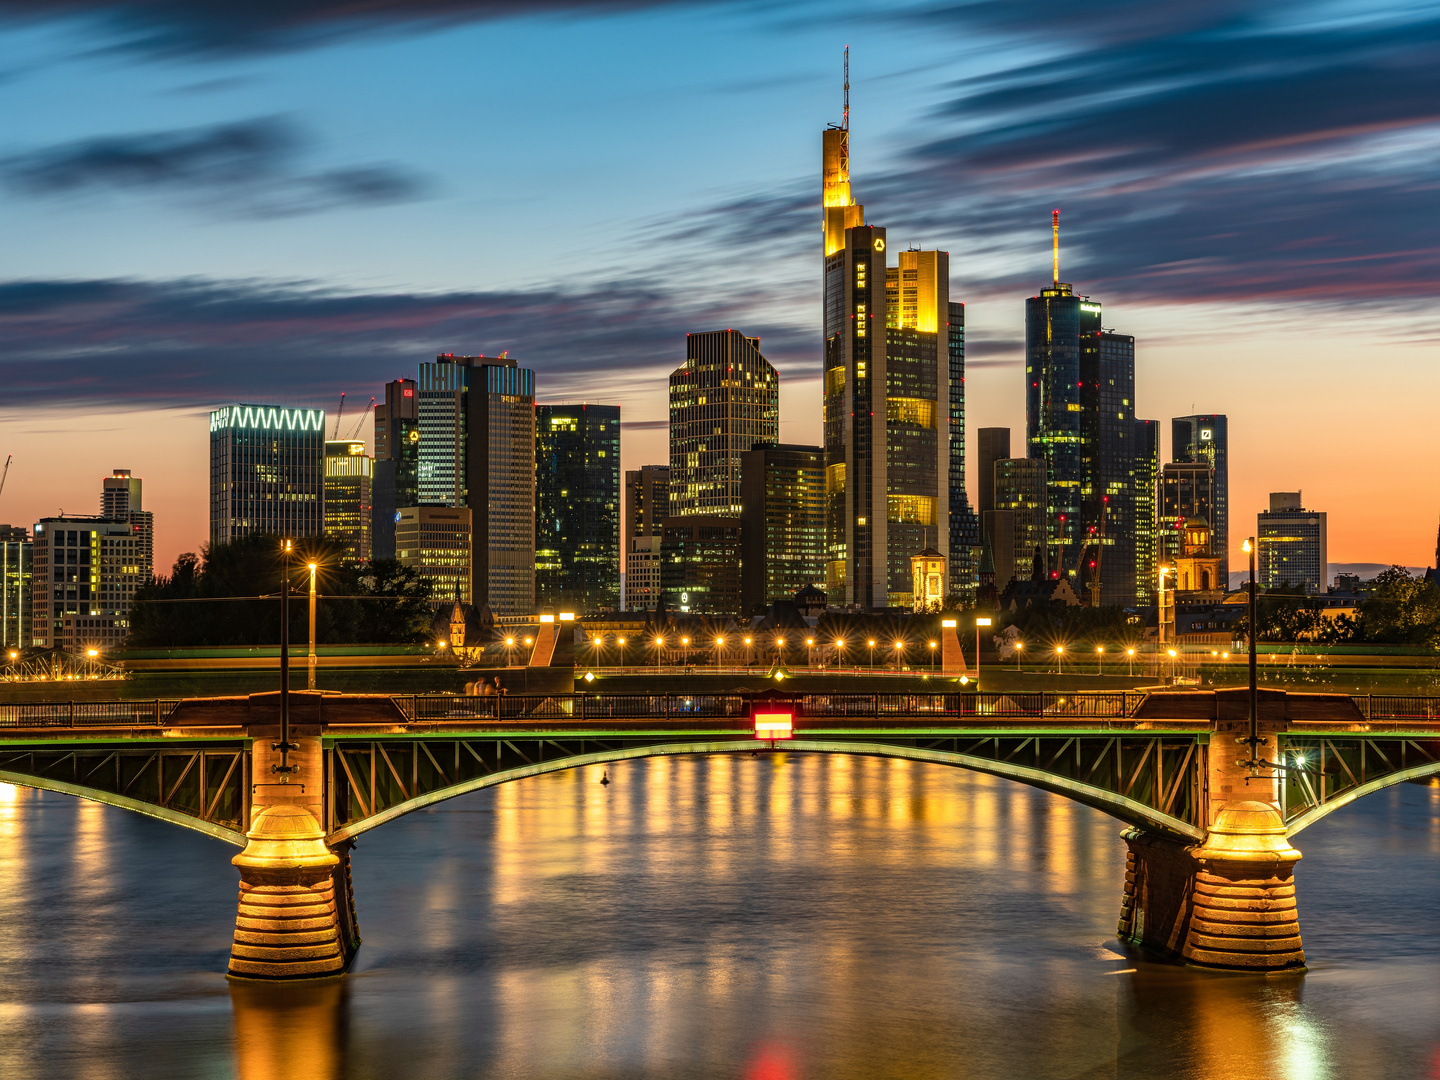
x=251, y=168
x=1200, y=153
x=172, y=27
x=203, y=342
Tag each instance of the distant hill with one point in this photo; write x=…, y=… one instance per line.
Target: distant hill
x=1366, y=570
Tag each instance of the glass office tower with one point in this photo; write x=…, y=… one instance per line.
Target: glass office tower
x=267, y=472
x=1206, y=438
x=577, y=496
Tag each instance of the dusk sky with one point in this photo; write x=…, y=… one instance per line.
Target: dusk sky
x=277, y=202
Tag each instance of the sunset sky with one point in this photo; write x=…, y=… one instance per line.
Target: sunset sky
x=276, y=202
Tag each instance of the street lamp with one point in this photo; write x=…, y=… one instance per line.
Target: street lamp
x=1172, y=654
x=899, y=654
x=1130, y=657
x=840, y=651
x=979, y=623
x=1100, y=652
x=719, y=644
x=872, y=654
x=313, y=568
x=659, y=644
x=749, y=656
x=1019, y=648
x=1059, y=659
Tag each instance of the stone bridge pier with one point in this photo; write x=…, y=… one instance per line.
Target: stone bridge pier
x=296, y=913
x=1227, y=902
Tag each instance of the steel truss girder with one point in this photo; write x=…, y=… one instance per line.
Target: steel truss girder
x=369, y=779
x=203, y=787
x=1329, y=771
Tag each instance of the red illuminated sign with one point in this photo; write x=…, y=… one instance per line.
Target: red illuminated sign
x=774, y=725
x=407, y=392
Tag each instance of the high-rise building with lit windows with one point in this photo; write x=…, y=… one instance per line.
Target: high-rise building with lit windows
x=267, y=471
x=349, y=476
x=894, y=406
x=435, y=542
x=1206, y=437
x=577, y=497
x=1145, y=494
x=16, y=586
x=397, y=463
x=477, y=450
x=782, y=528
x=723, y=400
x=1291, y=544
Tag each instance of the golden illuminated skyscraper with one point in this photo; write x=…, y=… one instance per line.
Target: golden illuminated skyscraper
x=894, y=405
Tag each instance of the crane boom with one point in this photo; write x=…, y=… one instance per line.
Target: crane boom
x=361, y=422
x=339, y=413
x=3, y=475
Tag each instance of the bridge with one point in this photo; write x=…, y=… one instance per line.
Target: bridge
x=1209, y=870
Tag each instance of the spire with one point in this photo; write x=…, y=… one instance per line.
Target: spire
x=1054, y=232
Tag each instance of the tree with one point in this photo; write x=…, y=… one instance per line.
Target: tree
x=1402, y=610
x=229, y=597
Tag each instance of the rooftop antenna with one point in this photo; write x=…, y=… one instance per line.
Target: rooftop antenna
x=845, y=120
x=1055, y=240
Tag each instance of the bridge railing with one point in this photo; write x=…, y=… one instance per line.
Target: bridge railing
x=1036, y=705
x=1398, y=706
x=86, y=713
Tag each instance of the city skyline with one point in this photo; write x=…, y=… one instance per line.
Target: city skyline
x=115, y=322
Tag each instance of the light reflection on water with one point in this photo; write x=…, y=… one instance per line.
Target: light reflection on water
x=782, y=916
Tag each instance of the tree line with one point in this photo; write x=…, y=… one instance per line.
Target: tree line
x=228, y=595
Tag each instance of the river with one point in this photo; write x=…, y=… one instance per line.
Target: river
x=767, y=918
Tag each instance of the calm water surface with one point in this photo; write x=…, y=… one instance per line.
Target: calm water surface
x=772, y=918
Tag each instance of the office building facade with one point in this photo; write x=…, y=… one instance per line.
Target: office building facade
x=477, y=450
x=86, y=570
x=700, y=564
x=1206, y=438
x=1187, y=491
x=435, y=542
x=992, y=444
x=267, y=472
x=1145, y=491
x=647, y=499
x=1291, y=545
x=17, y=559
x=782, y=523
x=349, y=480
x=1020, y=489
x=642, y=572
x=397, y=463
x=723, y=400
x=577, y=496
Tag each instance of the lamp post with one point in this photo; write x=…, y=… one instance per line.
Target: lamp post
x=1100, y=652
x=1059, y=659
x=1254, y=739
x=840, y=652
x=932, y=656
x=313, y=568
x=1173, y=655
x=1019, y=649
x=872, y=655
x=978, y=624
x=509, y=651
x=899, y=655
x=284, y=769
x=1130, y=659
x=809, y=650
x=749, y=656
x=719, y=644
x=621, y=642
x=659, y=651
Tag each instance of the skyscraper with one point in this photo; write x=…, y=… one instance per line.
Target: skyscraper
x=1080, y=390
x=782, y=524
x=86, y=570
x=647, y=499
x=16, y=586
x=894, y=405
x=1144, y=487
x=577, y=497
x=477, y=450
x=267, y=471
x=434, y=541
x=700, y=564
x=1206, y=438
x=349, y=476
x=723, y=400
x=1187, y=491
x=647, y=505
x=993, y=443
x=122, y=498
x=1020, y=489
x=397, y=463
x=1291, y=547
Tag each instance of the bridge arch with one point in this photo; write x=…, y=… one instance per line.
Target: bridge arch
x=1118, y=806
x=1315, y=813
x=124, y=802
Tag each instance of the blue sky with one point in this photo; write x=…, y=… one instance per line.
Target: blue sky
x=281, y=201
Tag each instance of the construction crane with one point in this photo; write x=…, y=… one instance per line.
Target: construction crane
x=3, y=475
x=361, y=422
x=339, y=413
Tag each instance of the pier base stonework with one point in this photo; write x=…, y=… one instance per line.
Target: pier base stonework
x=1228, y=903
x=296, y=918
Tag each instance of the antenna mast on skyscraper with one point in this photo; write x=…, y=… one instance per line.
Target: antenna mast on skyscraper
x=845, y=120
x=1055, y=254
